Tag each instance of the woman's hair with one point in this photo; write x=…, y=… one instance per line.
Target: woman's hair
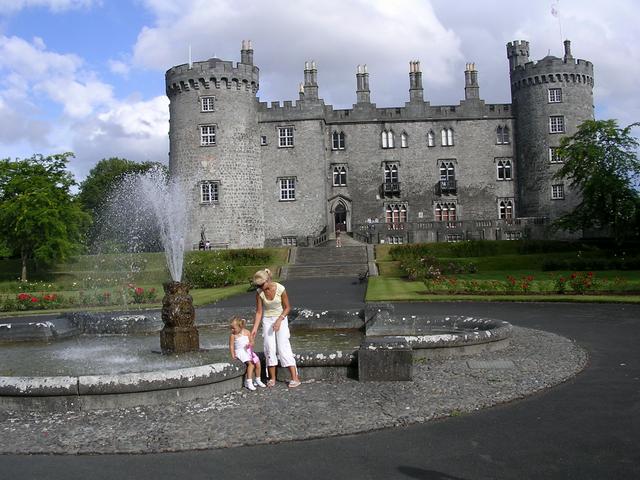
x=261, y=277
x=238, y=321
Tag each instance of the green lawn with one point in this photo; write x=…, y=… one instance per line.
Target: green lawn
x=391, y=289
x=94, y=274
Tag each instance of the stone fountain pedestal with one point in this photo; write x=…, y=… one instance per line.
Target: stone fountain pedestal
x=179, y=334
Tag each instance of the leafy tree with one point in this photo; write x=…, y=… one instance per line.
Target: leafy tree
x=108, y=172
x=39, y=217
x=96, y=192
x=601, y=163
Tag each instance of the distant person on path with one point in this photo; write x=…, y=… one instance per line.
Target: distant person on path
x=272, y=308
x=241, y=347
x=207, y=245
x=338, y=239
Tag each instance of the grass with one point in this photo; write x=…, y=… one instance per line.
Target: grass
x=111, y=271
x=398, y=289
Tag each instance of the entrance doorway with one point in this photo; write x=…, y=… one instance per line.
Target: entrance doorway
x=340, y=216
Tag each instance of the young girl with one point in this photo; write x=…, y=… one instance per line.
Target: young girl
x=241, y=348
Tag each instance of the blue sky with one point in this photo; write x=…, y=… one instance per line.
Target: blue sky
x=88, y=75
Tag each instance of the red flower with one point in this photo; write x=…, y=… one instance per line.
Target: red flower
x=573, y=275
x=24, y=296
x=590, y=274
x=139, y=291
x=34, y=299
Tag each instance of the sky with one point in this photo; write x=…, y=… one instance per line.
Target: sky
x=87, y=76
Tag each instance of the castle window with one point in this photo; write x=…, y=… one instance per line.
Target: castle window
x=207, y=135
x=263, y=140
x=447, y=171
x=337, y=141
x=504, y=169
x=557, y=192
x=206, y=104
x=395, y=240
x=555, y=95
x=554, y=156
x=505, y=209
x=339, y=176
x=431, y=139
x=447, y=137
x=556, y=124
x=209, y=192
x=396, y=214
x=287, y=189
x=285, y=137
x=445, y=212
x=289, y=241
x=404, y=140
x=502, y=135
x=390, y=173
x=387, y=139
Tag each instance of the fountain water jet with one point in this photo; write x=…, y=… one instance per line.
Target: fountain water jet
x=167, y=201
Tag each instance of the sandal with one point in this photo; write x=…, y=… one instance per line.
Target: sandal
x=294, y=383
x=271, y=383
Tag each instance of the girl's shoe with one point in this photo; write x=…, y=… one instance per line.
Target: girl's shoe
x=249, y=384
x=294, y=383
x=258, y=383
x=271, y=383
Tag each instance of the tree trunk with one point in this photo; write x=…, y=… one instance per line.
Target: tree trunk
x=23, y=275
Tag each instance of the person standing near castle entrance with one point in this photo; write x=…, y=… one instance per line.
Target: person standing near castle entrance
x=272, y=308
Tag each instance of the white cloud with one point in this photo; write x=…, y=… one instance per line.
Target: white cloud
x=119, y=67
x=337, y=34
x=91, y=121
x=12, y=6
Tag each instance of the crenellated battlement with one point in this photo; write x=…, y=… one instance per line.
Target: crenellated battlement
x=301, y=110
x=552, y=70
x=212, y=74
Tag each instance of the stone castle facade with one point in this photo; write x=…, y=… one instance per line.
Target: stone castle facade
x=293, y=173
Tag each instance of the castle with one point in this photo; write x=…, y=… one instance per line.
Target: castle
x=292, y=174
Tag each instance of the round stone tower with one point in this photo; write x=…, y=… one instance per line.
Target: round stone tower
x=550, y=98
x=214, y=149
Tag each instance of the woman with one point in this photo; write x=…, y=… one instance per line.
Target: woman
x=272, y=308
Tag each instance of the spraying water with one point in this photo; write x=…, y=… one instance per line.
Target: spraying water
x=145, y=208
x=167, y=200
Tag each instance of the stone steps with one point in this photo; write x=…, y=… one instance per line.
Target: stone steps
x=328, y=261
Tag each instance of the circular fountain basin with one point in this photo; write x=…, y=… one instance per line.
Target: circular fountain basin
x=109, y=371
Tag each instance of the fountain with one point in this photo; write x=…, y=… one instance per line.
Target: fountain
x=168, y=203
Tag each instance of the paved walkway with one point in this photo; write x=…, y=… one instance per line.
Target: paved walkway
x=584, y=428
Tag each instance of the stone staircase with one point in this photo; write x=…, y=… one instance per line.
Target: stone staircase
x=326, y=260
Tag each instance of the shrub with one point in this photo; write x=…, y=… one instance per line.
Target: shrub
x=203, y=272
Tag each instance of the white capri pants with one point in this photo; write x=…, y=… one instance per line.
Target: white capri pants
x=276, y=344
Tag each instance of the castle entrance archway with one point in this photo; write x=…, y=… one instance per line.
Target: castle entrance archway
x=340, y=217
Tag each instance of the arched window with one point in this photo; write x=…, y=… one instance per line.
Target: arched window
x=339, y=176
x=431, y=139
x=404, y=140
x=504, y=169
x=445, y=212
x=447, y=137
x=502, y=135
x=395, y=214
x=337, y=141
x=447, y=171
x=505, y=209
x=390, y=173
x=387, y=139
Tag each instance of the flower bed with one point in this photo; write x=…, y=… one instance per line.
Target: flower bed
x=129, y=294
x=574, y=283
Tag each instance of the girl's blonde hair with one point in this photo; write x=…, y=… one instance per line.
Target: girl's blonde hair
x=261, y=277
x=238, y=321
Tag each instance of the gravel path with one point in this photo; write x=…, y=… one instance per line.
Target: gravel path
x=534, y=361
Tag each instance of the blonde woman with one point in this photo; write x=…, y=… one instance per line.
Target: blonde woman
x=272, y=308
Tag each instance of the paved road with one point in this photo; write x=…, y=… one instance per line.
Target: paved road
x=588, y=428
